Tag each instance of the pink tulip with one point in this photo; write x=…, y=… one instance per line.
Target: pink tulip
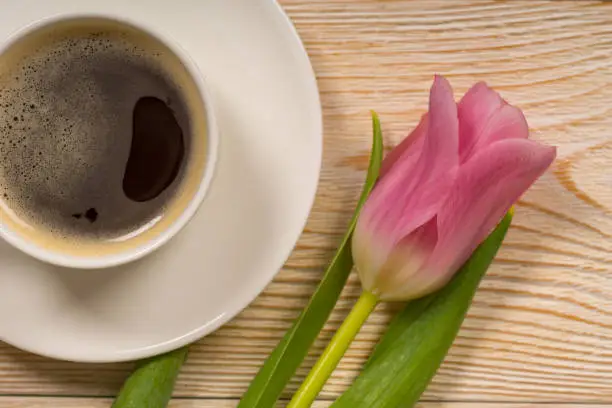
x=442, y=190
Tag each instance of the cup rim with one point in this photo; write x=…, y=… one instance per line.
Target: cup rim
x=212, y=141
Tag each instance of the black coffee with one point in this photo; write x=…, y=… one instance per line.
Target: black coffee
x=93, y=133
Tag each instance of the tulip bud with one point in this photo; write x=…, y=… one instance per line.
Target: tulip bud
x=442, y=190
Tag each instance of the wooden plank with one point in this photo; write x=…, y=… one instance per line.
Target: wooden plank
x=34, y=402
x=540, y=328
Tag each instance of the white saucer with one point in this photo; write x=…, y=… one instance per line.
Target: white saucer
x=269, y=162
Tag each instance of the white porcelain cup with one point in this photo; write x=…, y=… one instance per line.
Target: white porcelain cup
x=195, y=175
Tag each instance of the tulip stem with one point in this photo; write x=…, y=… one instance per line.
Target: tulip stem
x=334, y=351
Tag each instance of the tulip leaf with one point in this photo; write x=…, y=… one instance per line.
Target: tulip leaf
x=418, y=339
x=281, y=365
x=152, y=382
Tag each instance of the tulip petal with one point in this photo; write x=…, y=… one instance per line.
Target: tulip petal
x=441, y=149
x=475, y=109
x=412, y=191
x=408, y=149
x=485, y=189
x=369, y=254
x=400, y=278
x=507, y=123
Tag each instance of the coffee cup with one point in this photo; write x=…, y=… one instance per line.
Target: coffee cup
x=108, y=140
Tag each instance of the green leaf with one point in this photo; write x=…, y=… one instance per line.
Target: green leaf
x=418, y=339
x=152, y=382
x=281, y=365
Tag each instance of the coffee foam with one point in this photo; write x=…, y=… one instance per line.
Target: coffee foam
x=64, y=147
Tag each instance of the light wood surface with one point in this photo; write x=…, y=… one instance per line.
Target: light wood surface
x=540, y=330
x=34, y=402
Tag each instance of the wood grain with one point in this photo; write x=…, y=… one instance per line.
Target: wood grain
x=34, y=402
x=540, y=329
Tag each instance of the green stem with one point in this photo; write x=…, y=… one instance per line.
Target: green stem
x=336, y=348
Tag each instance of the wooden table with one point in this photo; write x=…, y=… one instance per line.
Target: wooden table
x=540, y=329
